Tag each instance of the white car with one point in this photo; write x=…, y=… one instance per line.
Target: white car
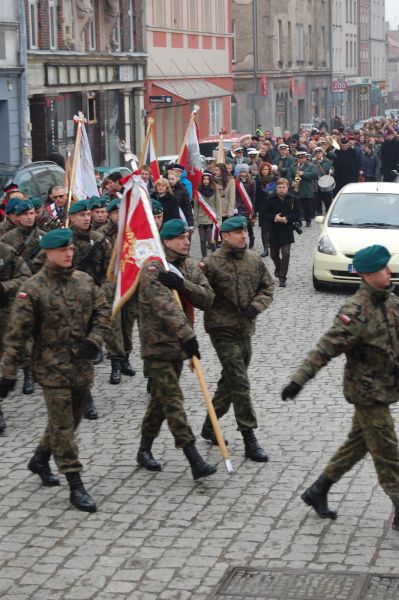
x=361, y=214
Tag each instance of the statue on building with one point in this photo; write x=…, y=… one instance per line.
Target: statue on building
x=111, y=16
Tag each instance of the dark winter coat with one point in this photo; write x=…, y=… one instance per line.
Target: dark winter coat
x=346, y=168
x=170, y=206
x=281, y=234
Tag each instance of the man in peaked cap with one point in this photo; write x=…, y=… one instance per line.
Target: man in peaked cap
x=167, y=339
x=366, y=330
x=243, y=289
x=63, y=346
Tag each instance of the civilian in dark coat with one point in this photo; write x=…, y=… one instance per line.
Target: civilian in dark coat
x=346, y=166
x=163, y=193
x=183, y=198
x=281, y=211
x=389, y=156
x=265, y=187
x=369, y=163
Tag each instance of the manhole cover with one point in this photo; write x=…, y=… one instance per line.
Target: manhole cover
x=286, y=584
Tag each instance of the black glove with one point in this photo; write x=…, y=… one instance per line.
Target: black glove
x=6, y=386
x=87, y=349
x=191, y=348
x=250, y=313
x=171, y=280
x=290, y=390
x=3, y=296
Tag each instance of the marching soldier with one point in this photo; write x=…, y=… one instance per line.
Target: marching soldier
x=167, y=339
x=366, y=330
x=67, y=316
x=11, y=220
x=98, y=209
x=13, y=273
x=110, y=227
x=243, y=289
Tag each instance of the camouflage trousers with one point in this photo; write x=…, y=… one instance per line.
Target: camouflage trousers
x=65, y=407
x=372, y=431
x=166, y=402
x=114, y=338
x=128, y=318
x=234, y=353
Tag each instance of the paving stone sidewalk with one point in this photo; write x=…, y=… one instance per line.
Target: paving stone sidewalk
x=164, y=537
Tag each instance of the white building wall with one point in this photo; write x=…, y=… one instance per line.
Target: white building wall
x=377, y=40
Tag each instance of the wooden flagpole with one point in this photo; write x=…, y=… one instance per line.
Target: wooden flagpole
x=150, y=122
x=220, y=157
x=67, y=169
x=80, y=121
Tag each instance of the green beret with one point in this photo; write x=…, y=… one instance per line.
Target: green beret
x=37, y=202
x=113, y=205
x=23, y=207
x=78, y=206
x=12, y=205
x=56, y=238
x=157, y=208
x=371, y=259
x=97, y=202
x=232, y=223
x=172, y=229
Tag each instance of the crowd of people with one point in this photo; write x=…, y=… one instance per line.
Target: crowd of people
x=56, y=296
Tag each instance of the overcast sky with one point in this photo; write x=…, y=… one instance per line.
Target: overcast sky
x=392, y=13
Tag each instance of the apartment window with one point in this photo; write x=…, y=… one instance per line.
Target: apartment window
x=323, y=39
x=158, y=13
x=33, y=24
x=177, y=14
x=215, y=116
x=52, y=15
x=233, y=42
x=289, y=43
x=354, y=54
x=300, y=51
x=221, y=15
x=130, y=16
x=91, y=34
x=280, y=43
x=207, y=15
x=310, y=44
x=193, y=15
x=347, y=54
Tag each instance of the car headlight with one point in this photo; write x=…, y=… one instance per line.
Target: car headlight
x=325, y=246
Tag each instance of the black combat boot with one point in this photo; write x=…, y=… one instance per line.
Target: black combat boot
x=395, y=522
x=282, y=282
x=199, y=467
x=316, y=496
x=252, y=449
x=208, y=434
x=116, y=375
x=144, y=455
x=28, y=386
x=251, y=242
x=39, y=464
x=79, y=498
x=265, y=252
x=99, y=357
x=90, y=408
x=127, y=368
x=3, y=425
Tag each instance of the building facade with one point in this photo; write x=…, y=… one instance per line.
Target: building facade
x=282, y=63
x=13, y=99
x=378, y=92
x=85, y=55
x=189, y=64
x=393, y=68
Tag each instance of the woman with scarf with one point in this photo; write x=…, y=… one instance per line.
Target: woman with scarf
x=265, y=187
x=207, y=212
x=163, y=193
x=245, y=200
x=226, y=188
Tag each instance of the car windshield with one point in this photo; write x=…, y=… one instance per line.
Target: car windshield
x=365, y=210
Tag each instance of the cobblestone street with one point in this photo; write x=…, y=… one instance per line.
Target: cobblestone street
x=161, y=536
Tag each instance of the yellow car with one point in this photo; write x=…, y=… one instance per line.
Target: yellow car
x=361, y=214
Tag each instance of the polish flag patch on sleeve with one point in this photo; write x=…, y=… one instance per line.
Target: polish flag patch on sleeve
x=345, y=319
x=22, y=295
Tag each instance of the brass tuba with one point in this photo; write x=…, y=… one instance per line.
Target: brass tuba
x=332, y=142
x=297, y=182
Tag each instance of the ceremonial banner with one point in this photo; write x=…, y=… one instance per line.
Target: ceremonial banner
x=84, y=183
x=137, y=241
x=190, y=156
x=150, y=156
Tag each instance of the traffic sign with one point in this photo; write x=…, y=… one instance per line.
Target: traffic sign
x=339, y=85
x=166, y=99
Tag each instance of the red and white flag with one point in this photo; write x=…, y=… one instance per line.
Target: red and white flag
x=84, y=185
x=190, y=156
x=138, y=240
x=150, y=157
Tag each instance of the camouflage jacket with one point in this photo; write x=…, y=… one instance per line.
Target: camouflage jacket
x=13, y=272
x=239, y=278
x=25, y=241
x=59, y=308
x=163, y=325
x=5, y=227
x=366, y=330
x=110, y=230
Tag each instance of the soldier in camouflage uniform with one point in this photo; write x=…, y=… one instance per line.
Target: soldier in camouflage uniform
x=366, y=330
x=98, y=209
x=43, y=220
x=25, y=239
x=67, y=315
x=167, y=339
x=13, y=273
x=243, y=289
x=11, y=220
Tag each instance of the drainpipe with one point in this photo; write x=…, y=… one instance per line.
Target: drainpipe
x=25, y=138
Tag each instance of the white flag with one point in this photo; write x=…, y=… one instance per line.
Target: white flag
x=84, y=185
